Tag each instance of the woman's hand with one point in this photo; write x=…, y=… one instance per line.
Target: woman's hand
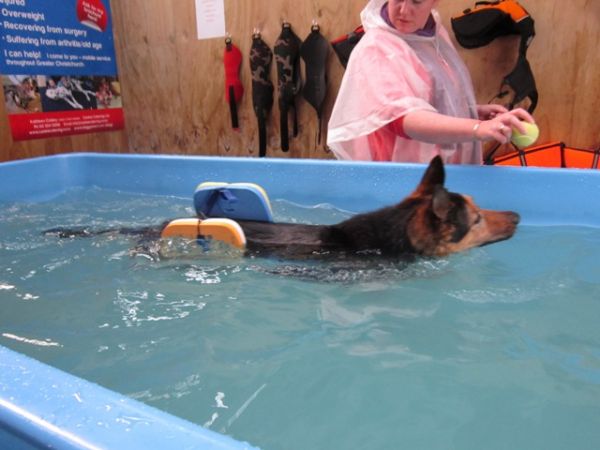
x=500, y=126
x=489, y=111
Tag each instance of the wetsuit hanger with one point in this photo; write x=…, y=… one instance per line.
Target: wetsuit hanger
x=261, y=57
x=289, y=82
x=234, y=90
x=314, y=52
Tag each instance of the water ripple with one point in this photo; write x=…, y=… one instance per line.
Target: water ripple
x=138, y=307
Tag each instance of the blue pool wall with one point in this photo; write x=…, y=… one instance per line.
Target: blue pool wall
x=42, y=407
x=541, y=196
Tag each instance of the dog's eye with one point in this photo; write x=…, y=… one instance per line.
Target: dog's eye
x=477, y=219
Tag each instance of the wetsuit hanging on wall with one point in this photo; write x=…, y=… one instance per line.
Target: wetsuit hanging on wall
x=261, y=57
x=232, y=59
x=287, y=57
x=314, y=52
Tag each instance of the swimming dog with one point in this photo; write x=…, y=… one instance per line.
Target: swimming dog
x=430, y=222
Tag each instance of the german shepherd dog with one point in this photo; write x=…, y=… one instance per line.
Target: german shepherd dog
x=430, y=222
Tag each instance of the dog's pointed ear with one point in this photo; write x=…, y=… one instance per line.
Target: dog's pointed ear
x=440, y=202
x=434, y=176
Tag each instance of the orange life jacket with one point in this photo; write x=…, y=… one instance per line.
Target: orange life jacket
x=480, y=25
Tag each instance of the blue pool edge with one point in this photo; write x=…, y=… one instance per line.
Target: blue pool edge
x=48, y=408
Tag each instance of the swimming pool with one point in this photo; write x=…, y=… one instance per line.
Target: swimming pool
x=47, y=405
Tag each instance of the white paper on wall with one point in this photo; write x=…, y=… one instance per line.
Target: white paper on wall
x=210, y=18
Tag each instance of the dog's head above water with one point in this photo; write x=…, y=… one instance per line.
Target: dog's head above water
x=445, y=222
x=430, y=222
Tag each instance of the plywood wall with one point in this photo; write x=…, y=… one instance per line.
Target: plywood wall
x=178, y=83
x=173, y=91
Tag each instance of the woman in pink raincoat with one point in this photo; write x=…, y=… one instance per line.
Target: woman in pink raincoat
x=407, y=95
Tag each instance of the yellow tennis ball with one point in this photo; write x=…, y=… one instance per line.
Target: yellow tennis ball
x=532, y=132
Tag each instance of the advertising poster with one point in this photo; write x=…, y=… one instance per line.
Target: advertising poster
x=58, y=68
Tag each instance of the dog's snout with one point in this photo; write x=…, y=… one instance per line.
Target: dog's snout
x=514, y=217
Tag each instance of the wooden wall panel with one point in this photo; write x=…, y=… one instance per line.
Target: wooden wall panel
x=182, y=92
x=567, y=59
x=173, y=92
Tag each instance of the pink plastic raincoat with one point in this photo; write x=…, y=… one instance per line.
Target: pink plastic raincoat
x=391, y=74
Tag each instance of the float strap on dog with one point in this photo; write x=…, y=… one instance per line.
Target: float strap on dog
x=218, y=229
x=261, y=57
x=478, y=26
x=287, y=57
x=344, y=45
x=239, y=201
x=234, y=90
x=218, y=206
x=314, y=52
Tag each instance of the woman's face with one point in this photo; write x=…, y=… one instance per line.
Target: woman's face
x=409, y=16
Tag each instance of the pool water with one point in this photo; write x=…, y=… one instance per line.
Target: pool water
x=496, y=348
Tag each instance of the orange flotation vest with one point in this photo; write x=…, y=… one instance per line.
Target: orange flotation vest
x=478, y=26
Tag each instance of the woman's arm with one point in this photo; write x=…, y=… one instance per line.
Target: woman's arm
x=435, y=128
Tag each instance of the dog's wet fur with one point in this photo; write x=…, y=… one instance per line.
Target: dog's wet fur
x=430, y=222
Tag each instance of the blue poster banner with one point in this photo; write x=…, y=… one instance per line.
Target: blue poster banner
x=44, y=37
x=58, y=67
